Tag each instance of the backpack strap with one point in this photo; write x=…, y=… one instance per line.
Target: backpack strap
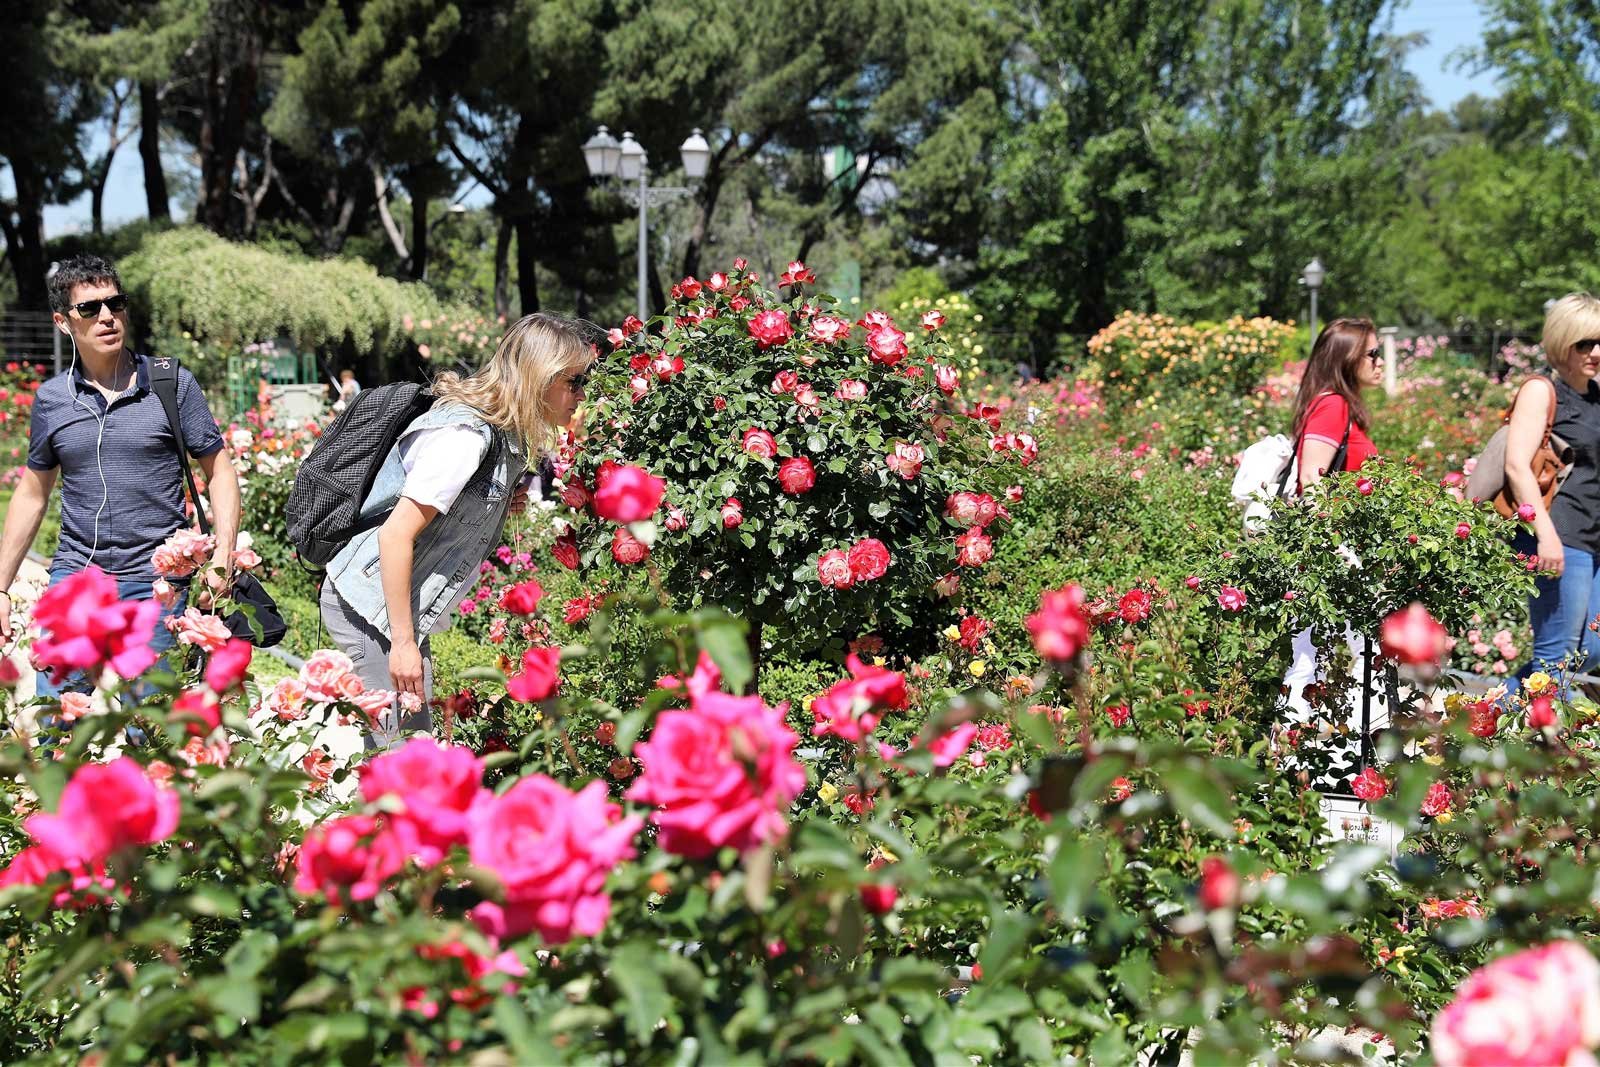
x=164, y=383
x=1341, y=454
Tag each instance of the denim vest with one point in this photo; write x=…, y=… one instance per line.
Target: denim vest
x=444, y=564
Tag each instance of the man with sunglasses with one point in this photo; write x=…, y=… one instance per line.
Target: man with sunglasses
x=101, y=428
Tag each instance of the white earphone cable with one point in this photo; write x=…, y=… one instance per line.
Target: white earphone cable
x=105, y=488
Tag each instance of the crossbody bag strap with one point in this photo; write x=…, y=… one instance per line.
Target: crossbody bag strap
x=164, y=383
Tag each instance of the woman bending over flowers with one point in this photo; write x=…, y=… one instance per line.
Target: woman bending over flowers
x=452, y=478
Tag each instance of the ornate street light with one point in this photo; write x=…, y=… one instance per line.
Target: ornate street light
x=1312, y=278
x=627, y=162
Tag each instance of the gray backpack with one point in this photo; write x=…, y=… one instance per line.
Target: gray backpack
x=324, y=508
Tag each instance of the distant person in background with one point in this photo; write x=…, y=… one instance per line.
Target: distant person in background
x=347, y=387
x=1566, y=534
x=104, y=432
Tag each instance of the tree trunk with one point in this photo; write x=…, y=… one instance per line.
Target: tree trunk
x=27, y=238
x=527, y=266
x=155, y=179
x=752, y=641
x=97, y=198
x=419, y=236
x=229, y=102
x=706, y=202
x=502, y=287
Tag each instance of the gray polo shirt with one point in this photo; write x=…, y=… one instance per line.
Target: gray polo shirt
x=121, y=485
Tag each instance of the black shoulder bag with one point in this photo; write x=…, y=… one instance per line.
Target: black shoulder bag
x=257, y=618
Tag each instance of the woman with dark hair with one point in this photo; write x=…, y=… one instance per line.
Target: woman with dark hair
x=1328, y=412
x=1330, y=433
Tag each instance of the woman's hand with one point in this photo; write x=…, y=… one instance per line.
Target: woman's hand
x=1552, y=557
x=405, y=667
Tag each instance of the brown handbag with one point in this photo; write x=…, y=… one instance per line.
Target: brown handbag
x=1551, y=463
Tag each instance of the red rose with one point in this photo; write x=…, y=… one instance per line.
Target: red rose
x=348, y=858
x=1119, y=715
x=1060, y=627
x=574, y=495
x=973, y=629
x=676, y=519
x=198, y=711
x=732, y=514
x=1483, y=718
x=1135, y=606
x=1369, y=785
x=627, y=549
x=770, y=328
x=878, y=898
x=576, y=610
x=227, y=665
x=540, y=676
x=522, y=598
x=828, y=329
x=1437, y=801
x=947, y=379
x=1541, y=713
x=971, y=509
x=869, y=559
x=796, y=475
x=1219, y=884
x=689, y=288
x=759, y=443
x=627, y=494
x=833, y=570
x=565, y=550
x=785, y=382
x=932, y=320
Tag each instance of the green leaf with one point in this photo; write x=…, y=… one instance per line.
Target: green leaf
x=1076, y=867
x=1199, y=799
x=724, y=642
x=1008, y=930
x=634, y=973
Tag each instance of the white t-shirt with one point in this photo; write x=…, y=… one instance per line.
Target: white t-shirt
x=439, y=462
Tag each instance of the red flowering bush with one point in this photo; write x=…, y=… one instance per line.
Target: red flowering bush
x=820, y=479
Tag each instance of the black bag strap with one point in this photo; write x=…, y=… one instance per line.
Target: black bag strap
x=1341, y=455
x=164, y=383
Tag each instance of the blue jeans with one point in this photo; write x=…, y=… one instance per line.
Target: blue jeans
x=127, y=589
x=1561, y=610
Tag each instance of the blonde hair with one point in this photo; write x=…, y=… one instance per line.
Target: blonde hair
x=512, y=390
x=1573, y=318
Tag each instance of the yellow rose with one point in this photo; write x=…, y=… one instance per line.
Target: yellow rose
x=1433, y=759
x=952, y=633
x=1537, y=682
x=977, y=667
x=827, y=792
x=1443, y=817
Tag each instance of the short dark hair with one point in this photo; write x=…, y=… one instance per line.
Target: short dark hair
x=79, y=270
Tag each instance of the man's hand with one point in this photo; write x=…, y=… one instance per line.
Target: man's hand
x=218, y=584
x=5, y=617
x=405, y=667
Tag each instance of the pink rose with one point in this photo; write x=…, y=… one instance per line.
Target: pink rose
x=974, y=548
x=878, y=898
x=852, y=708
x=796, y=475
x=552, y=850
x=906, y=459
x=228, y=665
x=946, y=378
x=1541, y=712
x=1437, y=801
x=833, y=570
x=690, y=288
x=721, y=774
x=1525, y=512
x=627, y=549
x=797, y=274
x=770, y=328
x=932, y=320
x=200, y=630
x=785, y=382
x=287, y=700
x=75, y=706
x=1060, y=627
x=1119, y=714
x=947, y=585
x=1535, y=1007
x=717, y=282
x=869, y=559
x=971, y=509
x=326, y=676
x=105, y=808
x=86, y=627
x=348, y=858
x=627, y=494
x=732, y=513
x=1231, y=599
x=522, y=598
x=759, y=443
x=1364, y=486
x=952, y=745
x=164, y=592
x=437, y=786
x=246, y=559
x=540, y=676
x=886, y=345
x=1413, y=637
x=705, y=678
x=1463, y=530
x=850, y=389
x=828, y=329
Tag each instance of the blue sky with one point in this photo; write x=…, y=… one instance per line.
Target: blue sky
x=1450, y=25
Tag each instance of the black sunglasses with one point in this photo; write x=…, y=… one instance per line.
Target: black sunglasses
x=578, y=380
x=1375, y=355
x=1587, y=345
x=90, y=309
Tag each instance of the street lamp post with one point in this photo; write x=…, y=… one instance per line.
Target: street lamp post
x=627, y=162
x=1311, y=278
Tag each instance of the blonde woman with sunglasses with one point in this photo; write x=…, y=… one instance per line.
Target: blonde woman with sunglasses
x=459, y=471
x=1566, y=534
